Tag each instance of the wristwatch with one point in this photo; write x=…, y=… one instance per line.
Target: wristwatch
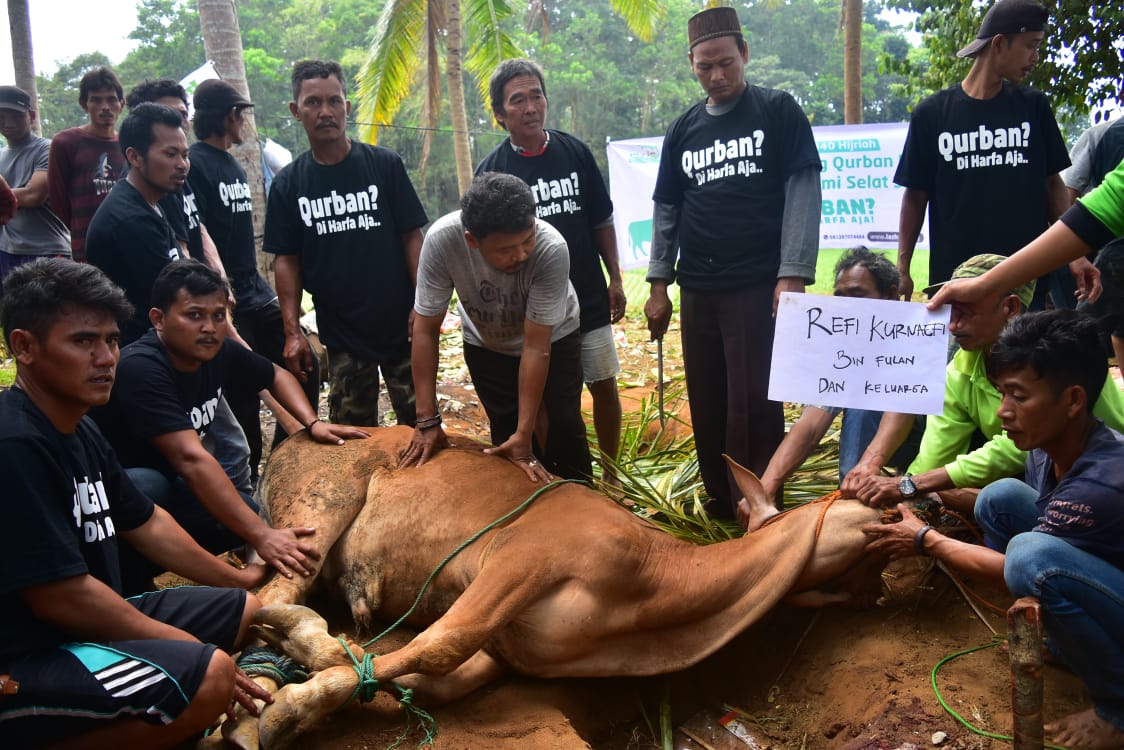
x=907, y=487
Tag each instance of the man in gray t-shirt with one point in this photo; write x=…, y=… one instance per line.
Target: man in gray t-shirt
x=35, y=231
x=519, y=318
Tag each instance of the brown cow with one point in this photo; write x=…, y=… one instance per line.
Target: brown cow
x=573, y=586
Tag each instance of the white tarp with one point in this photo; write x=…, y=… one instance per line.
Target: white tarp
x=860, y=200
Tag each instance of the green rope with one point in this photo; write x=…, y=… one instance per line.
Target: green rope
x=953, y=713
x=522, y=506
x=423, y=718
x=262, y=661
x=368, y=686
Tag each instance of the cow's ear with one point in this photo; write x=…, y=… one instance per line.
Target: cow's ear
x=750, y=486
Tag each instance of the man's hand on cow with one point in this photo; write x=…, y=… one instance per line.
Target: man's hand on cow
x=857, y=476
x=326, y=432
x=1088, y=278
x=517, y=450
x=423, y=447
x=246, y=691
x=283, y=549
x=618, y=303
x=895, y=539
x=298, y=356
x=879, y=491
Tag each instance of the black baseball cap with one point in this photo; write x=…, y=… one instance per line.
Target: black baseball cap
x=214, y=95
x=1007, y=17
x=13, y=97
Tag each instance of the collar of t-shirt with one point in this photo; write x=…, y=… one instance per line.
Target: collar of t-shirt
x=717, y=110
x=527, y=152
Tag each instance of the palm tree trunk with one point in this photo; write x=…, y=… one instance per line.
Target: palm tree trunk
x=19, y=24
x=222, y=42
x=454, y=78
x=852, y=61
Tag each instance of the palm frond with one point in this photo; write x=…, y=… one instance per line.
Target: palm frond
x=388, y=71
x=490, y=45
x=643, y=17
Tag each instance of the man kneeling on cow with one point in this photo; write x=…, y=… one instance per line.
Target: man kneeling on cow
x=964, y=447
x=519, y=316
x=168, y=385
x=79, y=665
x=1061, y=537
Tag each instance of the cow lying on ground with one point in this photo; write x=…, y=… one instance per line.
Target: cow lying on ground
x=573, y=586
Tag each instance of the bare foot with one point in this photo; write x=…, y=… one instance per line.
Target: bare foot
x=1085, y=731
x=753, y=516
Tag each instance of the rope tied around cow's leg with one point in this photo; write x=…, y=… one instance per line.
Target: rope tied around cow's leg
x=368, y=686
x=263, y=661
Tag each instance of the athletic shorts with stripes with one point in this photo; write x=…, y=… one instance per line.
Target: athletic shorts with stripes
x=72, y=688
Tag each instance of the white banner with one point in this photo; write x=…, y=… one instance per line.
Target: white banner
x=860, y=200
x=193, y=79
x=859, y=353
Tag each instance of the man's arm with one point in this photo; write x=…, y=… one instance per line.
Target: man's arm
x=34, y=193
x=898, y=540
x=1087, y=276
x=58, y=181
x=797, y=445
x=8, y=202
x=910, y=218
x=800, y=228
x=424, y=354
x=210, y=485
x=661, y=267
x=88, y=610
x=164, y=542
x=534, y=364
x=893, y=429
x=290, y=395
x=605, y=238
x=287, y=280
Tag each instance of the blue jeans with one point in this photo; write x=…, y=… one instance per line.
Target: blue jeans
x=1082, y=595
x=859, y=428
x=226, y=441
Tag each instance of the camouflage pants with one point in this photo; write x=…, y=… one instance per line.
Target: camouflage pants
x=353, y=397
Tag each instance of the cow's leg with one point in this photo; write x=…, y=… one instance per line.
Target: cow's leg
x=302, y=635
x=479, y=670
x=296, y=708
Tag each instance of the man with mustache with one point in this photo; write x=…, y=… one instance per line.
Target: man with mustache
x=984, y=157
x=345, y=224
x=167, y=392
x=85, y=161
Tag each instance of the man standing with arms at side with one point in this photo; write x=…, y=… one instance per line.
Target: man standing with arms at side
x=738, y=198
x=85, y=161
x=35, y=231
x=345, y=224
x=571, y=196
x=984, y=155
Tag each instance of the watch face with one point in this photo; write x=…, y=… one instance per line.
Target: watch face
x=906, y=487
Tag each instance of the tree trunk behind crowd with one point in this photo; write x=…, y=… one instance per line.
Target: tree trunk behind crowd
x=454, y=76
x=852, y=61
x=222, y=42
x=19, y=24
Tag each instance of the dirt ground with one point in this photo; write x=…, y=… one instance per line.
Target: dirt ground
x=833, y=678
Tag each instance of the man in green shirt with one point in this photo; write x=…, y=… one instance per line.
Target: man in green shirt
x=947, y=462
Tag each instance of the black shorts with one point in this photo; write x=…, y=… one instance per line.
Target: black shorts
x=74, y=687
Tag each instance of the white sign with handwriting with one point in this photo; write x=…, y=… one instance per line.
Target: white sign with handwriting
x=875, y=354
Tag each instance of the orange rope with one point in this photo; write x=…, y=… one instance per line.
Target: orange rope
x=827, y=500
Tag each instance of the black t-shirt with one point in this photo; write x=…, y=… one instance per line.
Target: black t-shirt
x=132, y=242
x=726, y=173
x=346, y=222
x=183, y=217
x=984, y=165
x=65, y=500
x=570, y=195
x=222, y=195
x=151, y=398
